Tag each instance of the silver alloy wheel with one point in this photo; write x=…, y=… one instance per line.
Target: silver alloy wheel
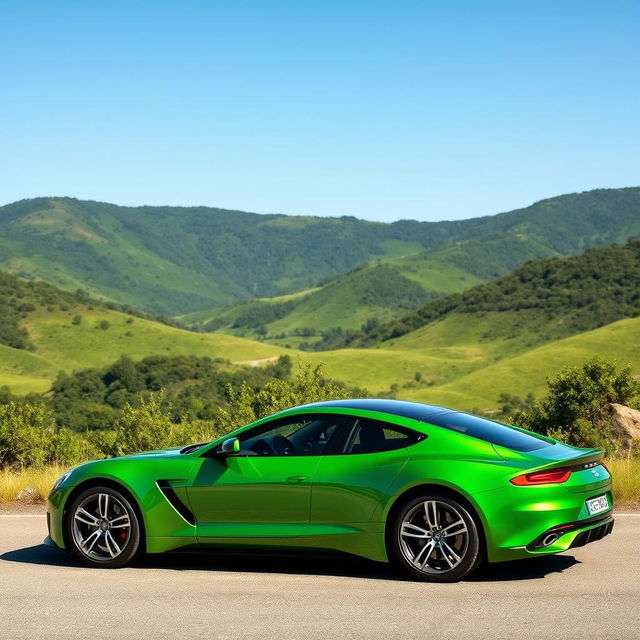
x=434, y=537
x=101, y=525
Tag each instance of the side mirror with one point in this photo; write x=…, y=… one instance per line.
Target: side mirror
x=230, y=446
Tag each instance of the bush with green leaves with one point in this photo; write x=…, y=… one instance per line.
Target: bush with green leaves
x=146, y=427
x=29, y=437
x=572, y=411
x=309, y=385
x=153, y=424
x=93, y=399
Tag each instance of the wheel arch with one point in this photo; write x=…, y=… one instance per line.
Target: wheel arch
x=439, y=489
x=112, y=484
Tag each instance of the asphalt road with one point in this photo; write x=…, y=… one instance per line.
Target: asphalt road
x=589, y=593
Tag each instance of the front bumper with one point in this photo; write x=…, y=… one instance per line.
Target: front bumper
x=50, y=543
x=55, y=510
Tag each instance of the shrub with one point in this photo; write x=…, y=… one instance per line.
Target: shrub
x=29, y=437
x=572, y=409
x=145, y=427
x=245, y=405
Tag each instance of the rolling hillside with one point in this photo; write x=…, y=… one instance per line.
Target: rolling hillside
x=175, y=260
x=543, y=300
x=44, y=330
x=527, y=372
x=504, y=336
x=380, y=290
x=469, y=374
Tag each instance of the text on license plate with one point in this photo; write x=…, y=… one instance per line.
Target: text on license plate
x=596, y=505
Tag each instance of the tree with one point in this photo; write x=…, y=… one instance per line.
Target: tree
x=572, y=409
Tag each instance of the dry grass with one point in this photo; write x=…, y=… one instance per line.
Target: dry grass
x=626, y=479
x=625, y=472
x=42, y=479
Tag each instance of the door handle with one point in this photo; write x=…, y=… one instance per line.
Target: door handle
x=296, y=479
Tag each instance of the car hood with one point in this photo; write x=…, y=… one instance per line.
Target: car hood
x=158, y=453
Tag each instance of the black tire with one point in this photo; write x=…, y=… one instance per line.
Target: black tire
x=90, y=535
x=440, y=544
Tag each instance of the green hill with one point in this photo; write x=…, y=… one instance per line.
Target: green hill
x=381, y=290
x=527, y=372
x=44, y=330
x=463, y=360
x=176, y=260
x=542, y=300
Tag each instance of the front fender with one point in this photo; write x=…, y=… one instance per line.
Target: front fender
x=163, y=525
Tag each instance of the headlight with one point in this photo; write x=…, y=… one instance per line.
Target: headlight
x=61, y=479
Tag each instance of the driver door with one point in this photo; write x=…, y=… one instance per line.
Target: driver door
x=265, y=489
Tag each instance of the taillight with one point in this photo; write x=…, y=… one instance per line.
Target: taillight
x=551, y=476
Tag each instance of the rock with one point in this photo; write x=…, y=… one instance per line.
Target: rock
x=28, y=494
x=624, y=422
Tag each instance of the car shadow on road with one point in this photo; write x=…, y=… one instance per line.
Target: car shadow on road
x=297, y=564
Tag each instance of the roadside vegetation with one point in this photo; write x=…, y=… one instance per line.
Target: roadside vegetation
x=31, y=437
x=155, y=411
x=574, y=409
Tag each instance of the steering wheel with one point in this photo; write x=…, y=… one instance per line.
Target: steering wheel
x=282, y=446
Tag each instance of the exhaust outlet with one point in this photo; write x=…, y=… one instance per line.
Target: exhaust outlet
x=549, y=539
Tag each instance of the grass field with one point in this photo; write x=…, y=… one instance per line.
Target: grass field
x=626, y=481
x=349, y=300
x=61, y=345
x=527, y=372
x=455, y=362
x=40, y=479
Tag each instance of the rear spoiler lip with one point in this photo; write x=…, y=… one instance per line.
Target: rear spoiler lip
x=581, y=458
x=574, y=463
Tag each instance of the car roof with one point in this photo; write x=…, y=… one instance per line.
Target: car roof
x=414, y=410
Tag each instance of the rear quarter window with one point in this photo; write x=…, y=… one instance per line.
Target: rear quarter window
x=489, y=431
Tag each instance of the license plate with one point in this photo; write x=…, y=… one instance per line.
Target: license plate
x=596, y=505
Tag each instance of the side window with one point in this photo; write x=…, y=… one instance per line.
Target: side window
x=371, y=436
x=294, y=436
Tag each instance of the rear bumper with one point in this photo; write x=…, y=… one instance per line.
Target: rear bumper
x=577, y=537
x=517, y=519
x=569, y=539
x=593, y=534
x=550, y=535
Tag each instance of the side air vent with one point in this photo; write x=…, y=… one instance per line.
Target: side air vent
x=175, y=502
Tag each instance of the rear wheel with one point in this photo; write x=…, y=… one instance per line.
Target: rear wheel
x=103, y=528
x=436, y=539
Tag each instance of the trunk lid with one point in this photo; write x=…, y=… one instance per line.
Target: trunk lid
x=588, y=474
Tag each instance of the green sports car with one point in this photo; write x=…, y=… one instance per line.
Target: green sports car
x=435, y=490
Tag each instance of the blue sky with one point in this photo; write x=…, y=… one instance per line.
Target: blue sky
x=383, y=110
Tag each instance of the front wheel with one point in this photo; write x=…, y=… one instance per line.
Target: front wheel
x=436, y=539
x=103, y=528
